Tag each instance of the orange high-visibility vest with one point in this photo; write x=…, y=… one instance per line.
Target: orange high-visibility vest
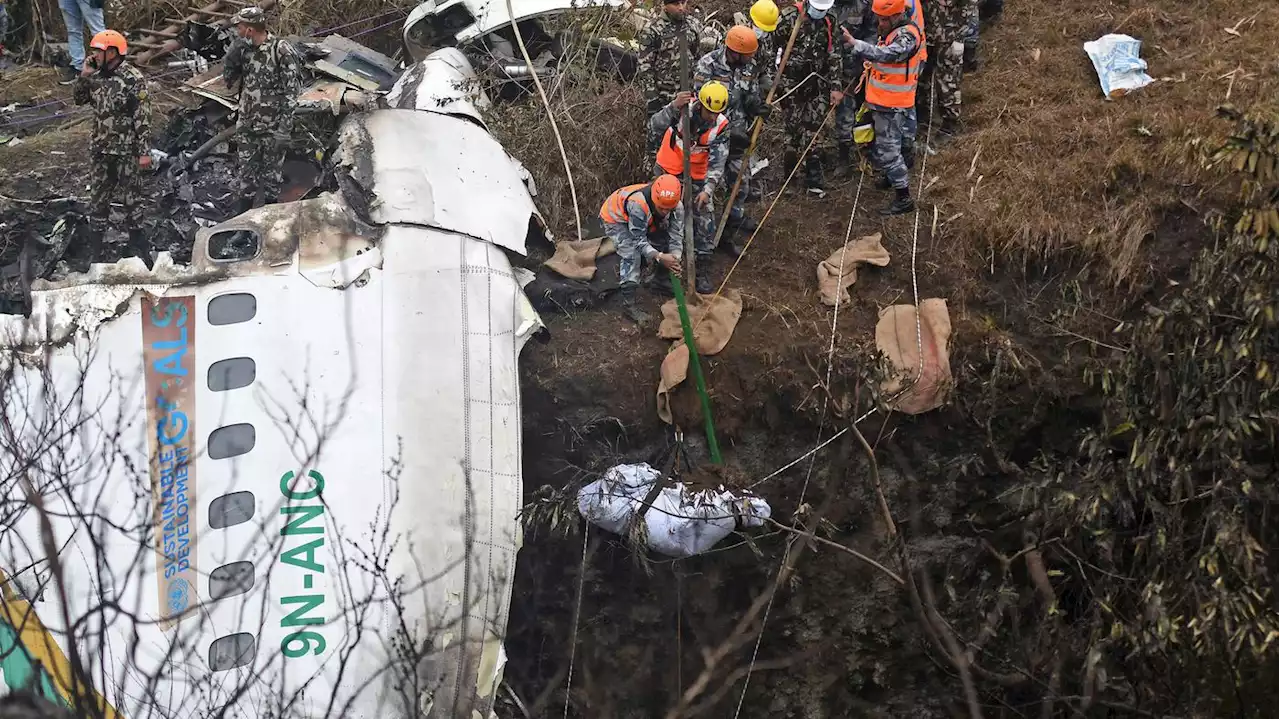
x=893, y=84
x=917, y=17
x=671, y=151
x=614, y=209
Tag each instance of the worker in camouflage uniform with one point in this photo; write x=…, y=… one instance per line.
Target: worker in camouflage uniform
x=946, y=20
x=891, y=77
x=646, y=223
x=990, y=10
x=707, y=155
x=118, y=147
x=270, y=72
x=764, y=20
x=733, y=65
x=659, y=63
x=811, y=81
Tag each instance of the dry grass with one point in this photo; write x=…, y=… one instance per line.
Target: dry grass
x=602, y=122
x=1059, y=169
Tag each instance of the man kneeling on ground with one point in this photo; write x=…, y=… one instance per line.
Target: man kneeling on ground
x=635, y=218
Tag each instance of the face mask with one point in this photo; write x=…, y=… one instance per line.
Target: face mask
x=815, y=14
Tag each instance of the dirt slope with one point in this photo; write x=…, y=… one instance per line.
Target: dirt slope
x=1055, y=216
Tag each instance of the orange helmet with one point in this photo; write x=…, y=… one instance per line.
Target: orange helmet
x=742, y=40
x=107, y=39
x=666, y=192
x=889, y=8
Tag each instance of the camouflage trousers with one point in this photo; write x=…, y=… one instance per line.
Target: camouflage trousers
x=120, y=177
x=802, y=116
x=990, y=8
x=630, y=259
x=704, y=218
x=886, y=152
x=733, y=167
x=260, y=165
x=942, y=73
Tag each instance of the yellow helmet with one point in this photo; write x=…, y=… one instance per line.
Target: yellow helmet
x=765, y=15
x=714, y=96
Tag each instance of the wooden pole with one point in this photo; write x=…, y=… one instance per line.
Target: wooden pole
x=686, y=190
x=755, y=133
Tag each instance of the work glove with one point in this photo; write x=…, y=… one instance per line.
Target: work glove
x=956, y=51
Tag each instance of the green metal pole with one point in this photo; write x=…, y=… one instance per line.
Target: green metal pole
x=696, y=363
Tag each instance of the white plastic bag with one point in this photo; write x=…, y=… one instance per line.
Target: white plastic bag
x=681, y=522
x=1120, y=70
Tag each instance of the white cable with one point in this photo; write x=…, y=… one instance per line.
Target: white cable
x=577, y=618
x=831, y=352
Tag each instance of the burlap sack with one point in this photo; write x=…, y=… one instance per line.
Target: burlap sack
x=896, y=337
x=576, y=259
x=713, y=322
x=834, y=283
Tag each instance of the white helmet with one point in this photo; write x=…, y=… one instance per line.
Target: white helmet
x=822, y=5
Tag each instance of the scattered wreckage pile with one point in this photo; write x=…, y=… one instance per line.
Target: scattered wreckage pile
x=192, y=181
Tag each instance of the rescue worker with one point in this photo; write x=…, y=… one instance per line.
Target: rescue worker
x=946, y=20
x=733, y=65
x=646, y=223
x=811, y=81
x=764, y=20
x=892, y=72
x=118, y=146
x=707, y=156
x=860, y=21
x=659, y=61
x=990, y=11
x=270, y=72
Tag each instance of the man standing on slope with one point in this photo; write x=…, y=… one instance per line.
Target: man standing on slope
x=271, y=72
x=119, y=143
x=659, y=64
x=636, y=218
x=733, y=65
x=707, y=155
x=947, y=21
x=892, y=71
x=811, y=82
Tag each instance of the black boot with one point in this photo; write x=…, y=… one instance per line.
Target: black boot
x=140, y=247
x=947, y=132
x=660, y=282
x=702, y=276
x=629, y=308
x=789, y=161
x=901, y=204
x=971, y=58
x=844, y=161
x=93, y=237
x=813, y=176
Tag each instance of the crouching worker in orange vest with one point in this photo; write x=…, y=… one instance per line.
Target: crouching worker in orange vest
x=708, y=154
x=640, y=219
x=892, y=67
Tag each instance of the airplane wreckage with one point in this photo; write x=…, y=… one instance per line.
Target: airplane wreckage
x=289, y=469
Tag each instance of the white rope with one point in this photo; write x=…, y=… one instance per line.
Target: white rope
x=577, y=618
x=551, y=117
x=915, y=293
x=831, y=352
